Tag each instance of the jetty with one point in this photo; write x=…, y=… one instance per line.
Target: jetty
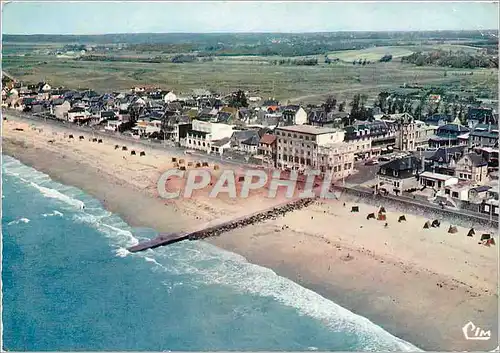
x=217, y=229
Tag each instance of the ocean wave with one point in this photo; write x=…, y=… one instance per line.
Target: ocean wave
x=216, y=266
x=39, y=181
x=207, y=264
x=111, y=226
x=54, y=213
x=20, y=220
x=90, y=212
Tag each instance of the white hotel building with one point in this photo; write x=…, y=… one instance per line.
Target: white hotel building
x=203, y=134
x=302, y=147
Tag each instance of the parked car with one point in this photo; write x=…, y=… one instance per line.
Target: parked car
x=384, y=159
x=371, y=162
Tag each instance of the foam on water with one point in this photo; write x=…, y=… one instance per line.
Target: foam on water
x=216, y=266
x=20, y=220
x=54, y=213
x=207, y=264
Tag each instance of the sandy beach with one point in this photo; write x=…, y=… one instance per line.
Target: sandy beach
x=422, y=285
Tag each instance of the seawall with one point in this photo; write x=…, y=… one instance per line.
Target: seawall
x=462, y=218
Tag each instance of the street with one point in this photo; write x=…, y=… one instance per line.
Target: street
x=364, y=173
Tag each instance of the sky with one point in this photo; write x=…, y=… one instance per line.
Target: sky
x=44, y=17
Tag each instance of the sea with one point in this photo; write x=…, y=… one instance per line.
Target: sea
x=70, y=284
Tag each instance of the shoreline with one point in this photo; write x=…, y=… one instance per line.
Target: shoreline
x=374, y=285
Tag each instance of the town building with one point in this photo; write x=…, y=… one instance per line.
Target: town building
x=371, y=138
x=449, y=135
x=297, y=146
x=480, y=115
x=335, y=159
x=398, y=175
x=483, y=135
x=294, y=115
x=472, y=167
x=202, y=134
x=76, y=113
x=443, y=160
x=436, y=181
x=267, y=147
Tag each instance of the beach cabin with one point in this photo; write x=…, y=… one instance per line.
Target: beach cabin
x=437, y=181
x=112, y=125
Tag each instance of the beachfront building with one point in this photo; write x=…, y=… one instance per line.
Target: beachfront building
x=398, y=175
x=371, y=138
x=336, y=159
x=298, y=146
x=436, y=181
x=203, y=133
x=267, y=146
x=77, y=114
x=472, y=167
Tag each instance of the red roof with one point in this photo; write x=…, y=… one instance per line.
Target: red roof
x=268, y=139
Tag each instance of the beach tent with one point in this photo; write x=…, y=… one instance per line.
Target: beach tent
x=485, y=236
x=382, y=210
x=370, y=216
x=490, y=241
x=435, y=223
x=452, y=230
x=381, y=217
x=174, y=159
x=427, y=225
x=401, y=218
x=471, y=232
x=355, y=209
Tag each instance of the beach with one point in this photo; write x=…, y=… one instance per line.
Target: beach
x=421, y=285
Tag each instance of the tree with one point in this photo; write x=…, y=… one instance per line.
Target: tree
x=355, y=106
x=381, y=101
x=330, y=104
x=238, y=100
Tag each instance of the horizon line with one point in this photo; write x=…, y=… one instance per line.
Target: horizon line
x=265, y=32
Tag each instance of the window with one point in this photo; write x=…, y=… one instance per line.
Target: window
x=454, y=194
x=447, y=191
x=294, y=136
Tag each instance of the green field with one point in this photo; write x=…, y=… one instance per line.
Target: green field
x=299, y=84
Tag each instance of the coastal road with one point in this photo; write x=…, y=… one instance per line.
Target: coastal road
x=233, y=160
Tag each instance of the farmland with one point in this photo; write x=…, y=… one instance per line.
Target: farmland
x=253, y=73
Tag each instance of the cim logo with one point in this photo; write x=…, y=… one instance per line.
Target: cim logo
x=472, y=332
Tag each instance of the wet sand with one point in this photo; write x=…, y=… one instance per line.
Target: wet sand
x=420, y=285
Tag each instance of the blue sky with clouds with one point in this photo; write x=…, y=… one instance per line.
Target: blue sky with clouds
x=142, y=17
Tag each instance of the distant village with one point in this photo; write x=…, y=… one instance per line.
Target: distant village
x=440, y=158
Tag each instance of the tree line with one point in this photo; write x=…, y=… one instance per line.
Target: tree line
x=459, y=60
x=299, y=62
